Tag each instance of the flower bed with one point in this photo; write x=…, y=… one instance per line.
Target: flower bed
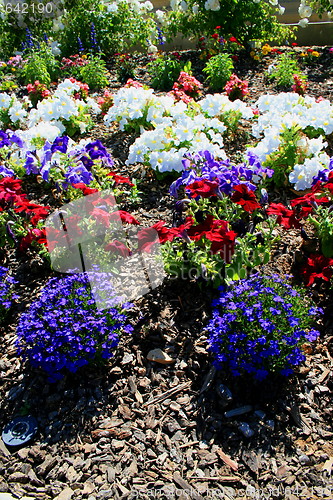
x=198, y=194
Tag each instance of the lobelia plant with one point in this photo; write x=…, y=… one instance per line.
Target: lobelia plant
x=218, y=69
x=63, y=330
x=7, y=295
x=259, y=325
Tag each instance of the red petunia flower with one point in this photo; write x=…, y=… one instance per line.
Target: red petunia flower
x=286, y=217
x=35, y=234
x=120, y=179
x=223, y=240
x=124, y=217
x=118, y=248
x=195, y=232
x=245, y=197
x=317, y=266
x=101, y=216
x=215, y=35
x=11, y=190
x=202, y=188
x=84, y=188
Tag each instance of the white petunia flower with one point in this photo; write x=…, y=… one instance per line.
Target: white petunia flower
x=112, y=7
x=304, y=10
x=303, y=22
x=5, y=100
x=17, y=112
x=213, y=5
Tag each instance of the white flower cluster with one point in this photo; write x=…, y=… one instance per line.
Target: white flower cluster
x=16, y=111
x=139, y=6
x=217, y=104
x=176, y=131
x=131, y=103
x=52, y=110
x=283, y=111
x=304, y=12
x=164, y=148
x=303, y=174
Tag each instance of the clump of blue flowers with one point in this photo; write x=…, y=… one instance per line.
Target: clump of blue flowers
x=64, y=330
x=259, y=325
x=7, y=295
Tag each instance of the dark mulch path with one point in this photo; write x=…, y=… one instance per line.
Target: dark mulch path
x=138, y=429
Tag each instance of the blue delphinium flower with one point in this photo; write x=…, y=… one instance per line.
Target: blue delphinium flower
x=29, y=41
x=258, y=326
x=64, y=330
x=93, y=39
x=160, y=36
x=79, y=41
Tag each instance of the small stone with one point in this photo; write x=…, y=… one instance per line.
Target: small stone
x=116, y=444
x=3, y=487
x=23, y=453
x=175, y=406
x=304, y=460
x=160, y=356
x=46, y=466
x=225, y=394
x=245, y=429
x=238, y=411
x=290, y=480
x=128, y=358
x=111, y=474
x=71, y=475
x=18, y=477
x=66, y=494
x=88, y=488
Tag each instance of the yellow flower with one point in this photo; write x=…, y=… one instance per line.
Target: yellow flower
x=303, y=54
x=252, y=53
x=84, y=56
x=256, y=58
x=13, y=69
x=315, y=53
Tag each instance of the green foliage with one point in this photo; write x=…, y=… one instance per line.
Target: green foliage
x=287, y=156
x=164, y=71
x=245, y=19
x=322, y=220
x=125, y=67
x=36, y=69
x=94, y=73
x=286, y=67
x=218, y=69
x=115, y=31
x=13, y=35
x=321, y=6
x=8, y=86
